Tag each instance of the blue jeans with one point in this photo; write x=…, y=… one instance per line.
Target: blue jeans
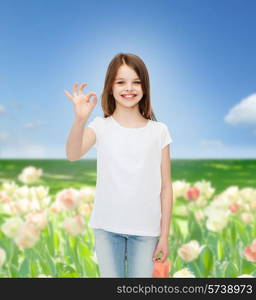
x=119, y=254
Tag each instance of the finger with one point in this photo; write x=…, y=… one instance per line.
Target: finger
x=95, y=100
x=155, y=258
x=154, y=255
x=68, y=94
x=91, y=94
x=163, y=258
x=81, y=88
x=74, y=89
x=157, y=250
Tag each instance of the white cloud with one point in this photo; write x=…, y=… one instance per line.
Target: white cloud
x=244, y=112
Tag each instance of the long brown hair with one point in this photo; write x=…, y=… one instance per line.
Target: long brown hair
x=136, y=63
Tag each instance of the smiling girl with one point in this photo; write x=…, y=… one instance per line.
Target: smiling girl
x=133, y=203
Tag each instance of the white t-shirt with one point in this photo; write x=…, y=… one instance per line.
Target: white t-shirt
x=128, y=187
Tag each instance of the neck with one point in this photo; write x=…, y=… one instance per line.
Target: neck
x=128, y=114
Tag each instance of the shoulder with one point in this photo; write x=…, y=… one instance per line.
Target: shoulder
x=159, y=125
x=97, y=123
x=99, y=120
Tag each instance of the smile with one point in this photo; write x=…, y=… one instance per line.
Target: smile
x=128, y=97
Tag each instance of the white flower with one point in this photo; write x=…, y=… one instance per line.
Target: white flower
x=190, y=250
x=40, y=192
x=44, y=276
x=245, y=276
x=180, y=188
x=183, y=273
x=247, y=194
x=218, y=221
x=22, y=192
x=30, y=175
x=86, y=194
x=10, y=187
x=11, y=226
x=21, y=206
x=205, y=188
x=232, y=193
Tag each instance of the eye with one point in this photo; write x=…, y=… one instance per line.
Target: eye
x=134, y=82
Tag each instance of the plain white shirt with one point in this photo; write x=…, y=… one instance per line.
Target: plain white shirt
x=128, y=187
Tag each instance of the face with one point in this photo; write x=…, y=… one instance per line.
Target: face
x=127, y=83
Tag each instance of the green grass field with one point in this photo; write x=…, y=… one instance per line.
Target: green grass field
x=59, y=174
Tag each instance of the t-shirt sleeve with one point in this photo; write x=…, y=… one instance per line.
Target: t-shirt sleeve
x=96, y=125
x=165, y=136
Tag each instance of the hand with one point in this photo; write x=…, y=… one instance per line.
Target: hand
x=82, y=105
x=162, y=247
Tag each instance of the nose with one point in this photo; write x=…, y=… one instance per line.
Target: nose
x=129, y=87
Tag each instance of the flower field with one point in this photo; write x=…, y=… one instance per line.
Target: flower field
x=45, y=207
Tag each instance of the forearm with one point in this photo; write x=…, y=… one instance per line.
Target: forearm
x=166, y=209
x=75, y=138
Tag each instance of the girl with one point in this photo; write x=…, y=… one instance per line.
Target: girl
x=133, y=203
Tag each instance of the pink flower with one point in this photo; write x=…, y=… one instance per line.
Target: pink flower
x=250, y=252
x=234, y=207
x=55, y=207
x=74, y=225
x=38, y=218
x=28, y=235
x=4, y=197
x=193, y=193
x=67, y=199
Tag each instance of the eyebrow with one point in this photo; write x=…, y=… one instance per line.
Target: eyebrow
x=123, y=78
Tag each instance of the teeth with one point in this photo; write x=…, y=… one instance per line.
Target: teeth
x=130, y=96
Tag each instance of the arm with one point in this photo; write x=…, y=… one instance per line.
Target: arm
x=166, y=194
x=166, y=206
x=75, y=138
x=83, y=108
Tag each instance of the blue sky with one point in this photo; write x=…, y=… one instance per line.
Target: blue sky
x=200, y=56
